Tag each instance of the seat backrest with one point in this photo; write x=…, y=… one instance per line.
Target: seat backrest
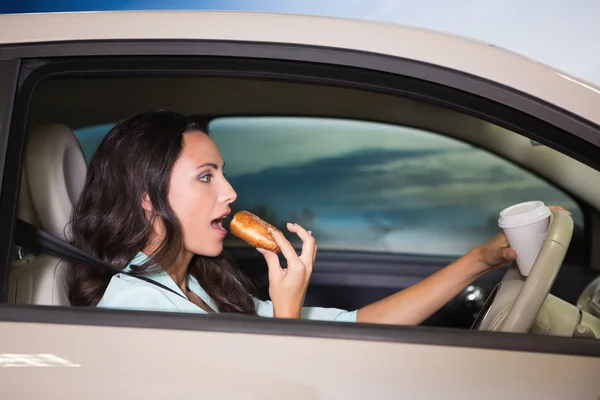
x=53, y=176
x=38, y=280
x=55, y=172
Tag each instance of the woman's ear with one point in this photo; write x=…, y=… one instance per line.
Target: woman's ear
x=146, y=203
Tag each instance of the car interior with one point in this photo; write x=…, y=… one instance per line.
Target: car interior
x=54, y=169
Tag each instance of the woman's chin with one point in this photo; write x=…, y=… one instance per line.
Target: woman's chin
x=212, y=252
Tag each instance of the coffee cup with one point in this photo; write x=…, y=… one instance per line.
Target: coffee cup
x=525, y=226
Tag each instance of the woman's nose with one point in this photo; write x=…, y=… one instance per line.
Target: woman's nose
x=229, y=194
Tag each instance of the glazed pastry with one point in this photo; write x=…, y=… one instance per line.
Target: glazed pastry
x=254, y=231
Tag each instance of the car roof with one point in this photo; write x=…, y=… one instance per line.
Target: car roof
x=476, y=58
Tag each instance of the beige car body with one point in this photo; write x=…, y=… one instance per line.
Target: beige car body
x=99, y=355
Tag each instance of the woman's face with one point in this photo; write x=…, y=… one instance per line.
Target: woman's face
x=200, y=195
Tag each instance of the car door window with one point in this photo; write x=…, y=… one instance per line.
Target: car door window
x=366, y=186
x=363, y=186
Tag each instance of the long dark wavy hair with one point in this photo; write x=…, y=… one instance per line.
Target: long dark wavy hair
x=108, y=221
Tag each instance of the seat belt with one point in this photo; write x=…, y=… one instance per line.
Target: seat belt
x=33, y=238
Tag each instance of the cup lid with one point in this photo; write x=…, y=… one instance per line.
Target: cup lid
x=523, y=214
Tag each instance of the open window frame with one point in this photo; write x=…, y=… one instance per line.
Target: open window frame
x=25, y=66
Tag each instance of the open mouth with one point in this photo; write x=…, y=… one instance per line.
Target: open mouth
x=217, y=225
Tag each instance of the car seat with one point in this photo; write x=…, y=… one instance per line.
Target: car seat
x=53, y=176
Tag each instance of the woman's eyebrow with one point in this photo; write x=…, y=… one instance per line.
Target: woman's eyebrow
x=209, y=164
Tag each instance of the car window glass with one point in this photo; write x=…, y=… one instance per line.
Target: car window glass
x=368, y=186
x=373, y=187
x=90, y=137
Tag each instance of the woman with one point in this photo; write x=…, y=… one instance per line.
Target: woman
x=154, y=202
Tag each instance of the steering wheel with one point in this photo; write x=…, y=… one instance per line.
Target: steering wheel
x=514, y=304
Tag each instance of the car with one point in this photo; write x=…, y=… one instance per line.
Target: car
x=397, y=146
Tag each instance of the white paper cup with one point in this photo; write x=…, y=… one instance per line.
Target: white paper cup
x=525, y=226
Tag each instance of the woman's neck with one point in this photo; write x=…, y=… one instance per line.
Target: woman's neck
x=178, y=270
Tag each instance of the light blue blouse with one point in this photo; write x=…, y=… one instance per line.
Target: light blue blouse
x=127, y=292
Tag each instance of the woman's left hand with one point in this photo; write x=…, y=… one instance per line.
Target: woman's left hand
x=496, y=253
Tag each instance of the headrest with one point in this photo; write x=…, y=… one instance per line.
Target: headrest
x=54, y=174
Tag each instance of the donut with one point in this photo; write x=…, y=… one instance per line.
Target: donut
x=254, y=231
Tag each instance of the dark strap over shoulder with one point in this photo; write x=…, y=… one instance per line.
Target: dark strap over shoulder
x=31, y=237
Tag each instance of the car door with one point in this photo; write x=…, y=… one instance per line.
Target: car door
x=125, y=353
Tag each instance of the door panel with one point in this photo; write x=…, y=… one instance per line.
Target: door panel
x=157, y=363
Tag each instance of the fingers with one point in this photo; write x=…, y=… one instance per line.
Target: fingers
x=559, y=208
x=309, y=250
x=509, y=254
x=503, y=254
x=273, y=265
x=286, y=247
x=315, y=249
x=500, y=238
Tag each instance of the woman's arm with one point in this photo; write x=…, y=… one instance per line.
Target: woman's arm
x=415, y=304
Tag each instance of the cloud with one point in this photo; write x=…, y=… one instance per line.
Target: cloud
x=417, y=201
x=377, y=191
x=286, y=141
x=370, y=172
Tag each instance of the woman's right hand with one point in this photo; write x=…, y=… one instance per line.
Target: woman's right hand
x=287, y=287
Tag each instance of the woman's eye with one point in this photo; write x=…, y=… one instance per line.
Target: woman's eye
x=205, y=178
